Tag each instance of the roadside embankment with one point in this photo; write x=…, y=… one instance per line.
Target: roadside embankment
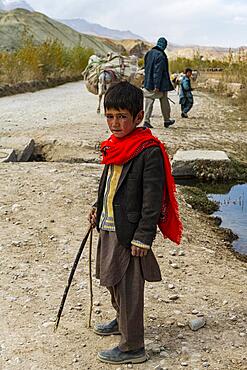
x=35, y=85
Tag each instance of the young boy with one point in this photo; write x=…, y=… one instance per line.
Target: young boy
x=136, y=192
x=185, y=94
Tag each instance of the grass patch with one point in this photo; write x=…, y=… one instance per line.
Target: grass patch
x=198, y=199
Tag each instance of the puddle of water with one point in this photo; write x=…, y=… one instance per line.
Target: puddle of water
x=233, y=213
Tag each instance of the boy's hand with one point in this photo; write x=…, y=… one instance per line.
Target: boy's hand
x=92, y=217
x=138, y=252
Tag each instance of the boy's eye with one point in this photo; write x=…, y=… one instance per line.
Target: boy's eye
x=109, y=116
x=118, y=116
x=122, y=116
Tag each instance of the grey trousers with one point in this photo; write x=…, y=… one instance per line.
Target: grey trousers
x=128, y=300
x=150, y=97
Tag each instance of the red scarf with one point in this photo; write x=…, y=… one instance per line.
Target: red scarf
x=120, y=151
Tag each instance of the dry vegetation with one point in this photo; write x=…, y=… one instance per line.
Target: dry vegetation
x=232, y=70
x=39, y=62
x=52, y=60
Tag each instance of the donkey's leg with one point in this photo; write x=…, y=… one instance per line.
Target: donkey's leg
x=100, y=98
x=100, y=90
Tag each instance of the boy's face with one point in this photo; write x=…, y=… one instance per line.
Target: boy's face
x=189, y=74
x=121, y=122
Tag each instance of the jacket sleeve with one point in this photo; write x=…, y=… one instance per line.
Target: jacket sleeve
x=153, y=188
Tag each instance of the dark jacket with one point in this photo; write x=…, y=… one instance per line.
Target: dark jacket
x=157, y=71
x=138, y=198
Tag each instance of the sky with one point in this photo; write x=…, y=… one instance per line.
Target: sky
x=183, y=22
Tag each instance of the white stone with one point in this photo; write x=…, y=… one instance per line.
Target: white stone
x=7, y=155
x=184, y=160
x=25, y=154
x=197, y=324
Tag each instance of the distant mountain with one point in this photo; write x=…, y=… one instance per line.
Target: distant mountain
x=83, y=26
x=17, y=22
x=7, y=5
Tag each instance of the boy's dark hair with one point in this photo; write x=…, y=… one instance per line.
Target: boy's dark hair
x=187, y=70
x=124, y=95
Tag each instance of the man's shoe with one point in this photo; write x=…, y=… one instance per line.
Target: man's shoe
x=116, y=356
x=169, y=122
x=184, y=115
x=147, y=124
x=110, y=328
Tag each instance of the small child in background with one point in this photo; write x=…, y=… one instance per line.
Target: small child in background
x=185, y=94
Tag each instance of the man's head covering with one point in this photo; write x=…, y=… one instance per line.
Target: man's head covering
x=162, y=43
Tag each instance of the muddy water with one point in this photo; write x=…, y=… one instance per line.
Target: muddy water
x=233, y=212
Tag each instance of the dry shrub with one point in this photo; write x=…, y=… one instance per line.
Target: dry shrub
x=39, y=62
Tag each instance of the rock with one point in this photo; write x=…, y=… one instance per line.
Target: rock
x=12, y=299
x=174, y=266
x=15, y=207
x=181, y=253
x=184, y=364
x=148, y=342
x=174, y=297
x=155, y=348
x=47, y=324
x=212, y=83
x=7, y=155
x=16, y=243
x=23, y=146
x=26, y=153
x=173, y=252
x=234, y=88
x=184, y=161
x=197, y=324
x=171, y=286
x=195, y=312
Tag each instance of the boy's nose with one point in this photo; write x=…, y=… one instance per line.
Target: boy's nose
x=115, y=121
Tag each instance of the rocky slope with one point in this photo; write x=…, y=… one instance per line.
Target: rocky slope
x=19, y=22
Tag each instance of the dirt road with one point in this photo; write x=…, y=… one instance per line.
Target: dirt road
x=43, y=210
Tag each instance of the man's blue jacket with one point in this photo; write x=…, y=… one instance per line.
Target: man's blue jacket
x=157, y=71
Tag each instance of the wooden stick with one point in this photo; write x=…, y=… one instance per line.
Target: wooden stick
x=70, y=278
x=90, y=278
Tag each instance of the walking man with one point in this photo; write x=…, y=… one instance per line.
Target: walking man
x=157, y=83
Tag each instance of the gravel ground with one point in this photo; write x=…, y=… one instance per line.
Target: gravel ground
x=43, y=211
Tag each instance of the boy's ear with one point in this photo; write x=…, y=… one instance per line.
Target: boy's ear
x=139, y=117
